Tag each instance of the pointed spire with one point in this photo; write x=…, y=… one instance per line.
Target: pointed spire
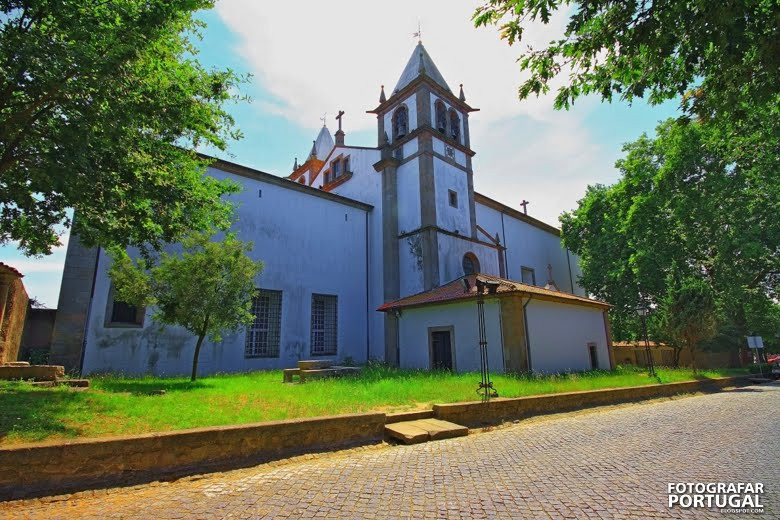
x=420, y=63
x=295, y=166
x=462, y=96
x=382, y=97
x=313, y=152
x=323, y=145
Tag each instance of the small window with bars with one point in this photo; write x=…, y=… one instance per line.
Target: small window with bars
x=324, y=324
x=122, y=314
x=262, y=336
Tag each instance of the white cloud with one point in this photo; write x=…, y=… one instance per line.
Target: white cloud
x=33, y=265
x=320, y=57
x=326, y=56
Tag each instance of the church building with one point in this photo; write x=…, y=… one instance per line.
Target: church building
x=370, y=253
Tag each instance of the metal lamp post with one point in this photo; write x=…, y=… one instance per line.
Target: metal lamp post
x=643, y=311
x=485, y=388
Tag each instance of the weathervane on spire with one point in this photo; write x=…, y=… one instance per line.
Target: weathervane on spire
x=418, y=34
x=323, y=118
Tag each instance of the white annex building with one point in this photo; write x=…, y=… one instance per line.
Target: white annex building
x=364, y=252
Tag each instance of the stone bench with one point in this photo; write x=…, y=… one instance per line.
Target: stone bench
x=289, y=373
x=35, y=372
x=317, y=369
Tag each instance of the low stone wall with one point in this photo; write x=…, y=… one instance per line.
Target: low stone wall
x=35, y=469
x=476, y=413
x=36, y=372
x=55, y=468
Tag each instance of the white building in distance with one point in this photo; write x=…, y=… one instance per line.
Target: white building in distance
x=364, y=252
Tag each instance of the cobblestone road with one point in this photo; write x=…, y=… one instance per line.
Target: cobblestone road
x=613, y=463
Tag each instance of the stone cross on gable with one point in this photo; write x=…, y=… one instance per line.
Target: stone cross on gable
x=341, y=113
x=525, y=204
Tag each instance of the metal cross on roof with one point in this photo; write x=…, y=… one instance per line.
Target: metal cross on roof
x=341, y=113
x=323, y=118
x=418, y=34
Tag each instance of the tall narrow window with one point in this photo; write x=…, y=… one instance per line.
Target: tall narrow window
x=346, y=164
x=454, y=125
x=336, y=168
x=262, y=336
x=400, y=122
x=324, y=324
x=441, y=117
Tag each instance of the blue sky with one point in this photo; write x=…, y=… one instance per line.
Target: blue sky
x=311, y=58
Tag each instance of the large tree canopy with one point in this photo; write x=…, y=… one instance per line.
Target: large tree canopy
x=699, y=202
x=721, y=56
x=682, y=210
x=101, y=107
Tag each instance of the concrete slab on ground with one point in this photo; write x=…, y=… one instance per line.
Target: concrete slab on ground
x=423, y=430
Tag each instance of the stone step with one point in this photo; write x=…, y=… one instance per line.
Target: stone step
x=423, y=430
x=408, y=416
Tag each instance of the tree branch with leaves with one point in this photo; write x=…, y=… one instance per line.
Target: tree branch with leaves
x=206, y=289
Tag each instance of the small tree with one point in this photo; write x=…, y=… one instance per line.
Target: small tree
x=689, y=315
x=207, y=289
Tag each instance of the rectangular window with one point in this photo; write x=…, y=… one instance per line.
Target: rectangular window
x=346, y=165
x=594, y=356
x=122, y=314
x=324, y=324
x=453, y=198
x=528, y=276
x=262, y=336
x=336, y=168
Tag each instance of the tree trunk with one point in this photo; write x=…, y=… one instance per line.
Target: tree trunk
x=195, y=358
x=676, y=359
x=202, y=335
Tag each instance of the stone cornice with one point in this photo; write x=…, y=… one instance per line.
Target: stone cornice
x=452, y=234
x=412, y=86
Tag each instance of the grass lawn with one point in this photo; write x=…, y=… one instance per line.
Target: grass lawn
x=117, y=405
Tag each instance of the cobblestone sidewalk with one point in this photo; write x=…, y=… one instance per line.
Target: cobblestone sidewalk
x=613, y=463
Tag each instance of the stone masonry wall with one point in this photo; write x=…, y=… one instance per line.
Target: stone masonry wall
x=13, y=322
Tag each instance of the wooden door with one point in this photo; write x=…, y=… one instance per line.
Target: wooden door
x=441, y=347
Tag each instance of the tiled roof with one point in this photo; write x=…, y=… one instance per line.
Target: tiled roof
x=9, y=268
x=454, y=292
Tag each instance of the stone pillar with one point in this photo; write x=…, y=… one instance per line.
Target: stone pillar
x=73, y=307
x=388, y=168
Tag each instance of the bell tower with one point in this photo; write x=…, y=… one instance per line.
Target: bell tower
x=423, y=130
x=427, y=178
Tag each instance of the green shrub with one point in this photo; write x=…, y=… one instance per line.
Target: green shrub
x=758, y=368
